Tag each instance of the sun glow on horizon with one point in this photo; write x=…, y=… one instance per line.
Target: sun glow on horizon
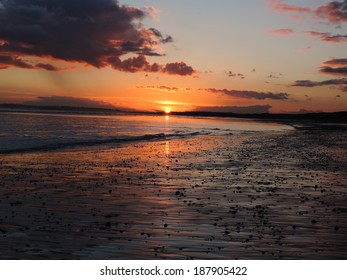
x=167, y=111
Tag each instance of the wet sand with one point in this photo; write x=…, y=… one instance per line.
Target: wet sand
x=266, y=195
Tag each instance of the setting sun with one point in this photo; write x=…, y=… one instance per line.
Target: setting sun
x=167, y=111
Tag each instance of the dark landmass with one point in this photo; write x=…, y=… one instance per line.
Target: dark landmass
x=325, y=117
x=22, y=107
x=333, y=117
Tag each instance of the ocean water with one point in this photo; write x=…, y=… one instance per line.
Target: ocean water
x=20, y=132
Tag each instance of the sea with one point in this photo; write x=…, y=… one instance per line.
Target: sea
x=35, y=131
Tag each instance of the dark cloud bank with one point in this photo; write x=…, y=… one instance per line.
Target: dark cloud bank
x=256, y=109
x=333, y=66
x=95, y=32
x=68, y=101
x=339, y=83
x=250, y=94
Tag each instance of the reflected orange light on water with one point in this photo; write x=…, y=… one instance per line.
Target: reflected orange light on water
x=167, y=148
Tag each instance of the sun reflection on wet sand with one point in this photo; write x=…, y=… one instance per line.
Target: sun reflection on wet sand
x=167, y=148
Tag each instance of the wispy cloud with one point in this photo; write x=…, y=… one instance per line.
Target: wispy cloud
x=340, y=83
x=336, y=62
x=334, y=12
x=232, y=74
x=309, y=48
x=335, y=66
x=281, y=32
x=256, y=109
x=97, y=33
x=274, y=75
x=151, y=11
x=296, y=12
x=328, y=37
x=280, y=5
x=166, y=88
x=248, y=94
x=7, y=61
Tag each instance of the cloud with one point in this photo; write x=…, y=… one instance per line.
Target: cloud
x=281, y=32
x=134, y=64
x=151, y=11
x=336, y=62
x=274, y=75
x=305, y=111
x=160, y=88
x=99, y=33
x=69, y=101
x=339, y=71
x=250, y=94
x=340, y=83
x=309, y=48
x=279, y=5
x=232, y=74
x=257, y=109
x=335, y=66
x=47, y=66
x=328, y=37
x=166, y=39
x=167, y=89
x=178, y=68
x=6, y=61
x=334, y=12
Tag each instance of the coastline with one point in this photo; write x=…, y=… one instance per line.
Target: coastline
x=264, y=195
x=315, y=117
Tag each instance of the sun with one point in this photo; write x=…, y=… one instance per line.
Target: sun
x=167, y=111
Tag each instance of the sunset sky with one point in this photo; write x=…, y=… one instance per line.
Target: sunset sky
x=240, y=55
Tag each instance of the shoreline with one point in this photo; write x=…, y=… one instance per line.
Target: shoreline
x=324, y=117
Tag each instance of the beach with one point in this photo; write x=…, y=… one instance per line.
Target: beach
x=262, y=195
